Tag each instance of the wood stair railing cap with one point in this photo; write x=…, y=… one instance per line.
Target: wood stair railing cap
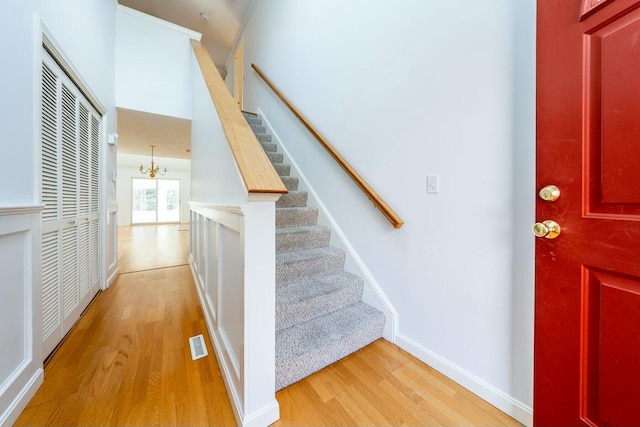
x=257, y=172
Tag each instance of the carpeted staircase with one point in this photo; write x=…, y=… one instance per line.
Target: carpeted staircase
x=320, y=317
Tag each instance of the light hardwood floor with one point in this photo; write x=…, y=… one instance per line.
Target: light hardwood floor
x=127, y=362
x=145, y=247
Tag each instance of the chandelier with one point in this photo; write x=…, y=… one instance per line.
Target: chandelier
x=154, y=169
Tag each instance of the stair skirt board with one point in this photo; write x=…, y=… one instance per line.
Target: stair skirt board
x=320, y=316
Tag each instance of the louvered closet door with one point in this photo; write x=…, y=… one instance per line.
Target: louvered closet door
x=70, y=192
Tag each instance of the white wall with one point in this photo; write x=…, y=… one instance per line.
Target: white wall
x=215, y=177
x=85, y=31
x=405, y=91
x=153, y=64
x=128, y=165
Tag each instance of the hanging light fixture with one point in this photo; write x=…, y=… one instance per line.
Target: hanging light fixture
x=154, y=169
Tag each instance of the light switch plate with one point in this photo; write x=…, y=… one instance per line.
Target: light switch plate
x=433, y=184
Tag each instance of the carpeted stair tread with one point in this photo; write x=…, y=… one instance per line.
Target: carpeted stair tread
x=304, y=300
x=307, y=347
x=292, y=199
x=263, y=138
x=289, y=239
x=293, y=217
x=305, y=264
x=290, y=182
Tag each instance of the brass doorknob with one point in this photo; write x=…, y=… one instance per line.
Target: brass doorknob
x=549, y=193
x=548, y=229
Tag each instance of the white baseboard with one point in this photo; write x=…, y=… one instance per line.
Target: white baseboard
x=15, y=408
x=481, y=388
x=113, y=276
x=264, y=416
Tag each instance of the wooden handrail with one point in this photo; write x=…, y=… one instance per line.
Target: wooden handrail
x=257, y=172
x=378, y=202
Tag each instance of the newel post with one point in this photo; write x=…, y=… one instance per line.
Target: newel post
x=260, y=404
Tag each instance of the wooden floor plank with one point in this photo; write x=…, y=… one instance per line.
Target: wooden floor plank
x=147, y=247
x=127, y=362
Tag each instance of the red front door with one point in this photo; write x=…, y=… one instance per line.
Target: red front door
x=587, y=302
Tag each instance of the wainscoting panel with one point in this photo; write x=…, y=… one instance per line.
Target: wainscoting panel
x=200, y=249
x=20, y=335
x=231, y=323
x=13, y=252
x=212, y=288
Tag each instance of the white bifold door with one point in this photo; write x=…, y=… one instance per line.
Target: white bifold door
x=70, y=158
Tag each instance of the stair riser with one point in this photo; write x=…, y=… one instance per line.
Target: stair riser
x=290, y=182
x=263, y=138
x=258, y=128
x=296, y=217
x=269, y=147
x=291, y=271
x=289, y=314
x=274, y=157
x=292, y=200
x=300, y=241
x=283, y=170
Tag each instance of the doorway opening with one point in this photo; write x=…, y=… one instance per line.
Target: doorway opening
x=155, y=201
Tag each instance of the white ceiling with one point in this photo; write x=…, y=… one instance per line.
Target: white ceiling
x=172, y=136
x=138, y=130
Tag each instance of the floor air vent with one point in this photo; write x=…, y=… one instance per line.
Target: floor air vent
x=198, y=347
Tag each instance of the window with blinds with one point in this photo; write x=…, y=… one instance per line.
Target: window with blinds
x=70, y=191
